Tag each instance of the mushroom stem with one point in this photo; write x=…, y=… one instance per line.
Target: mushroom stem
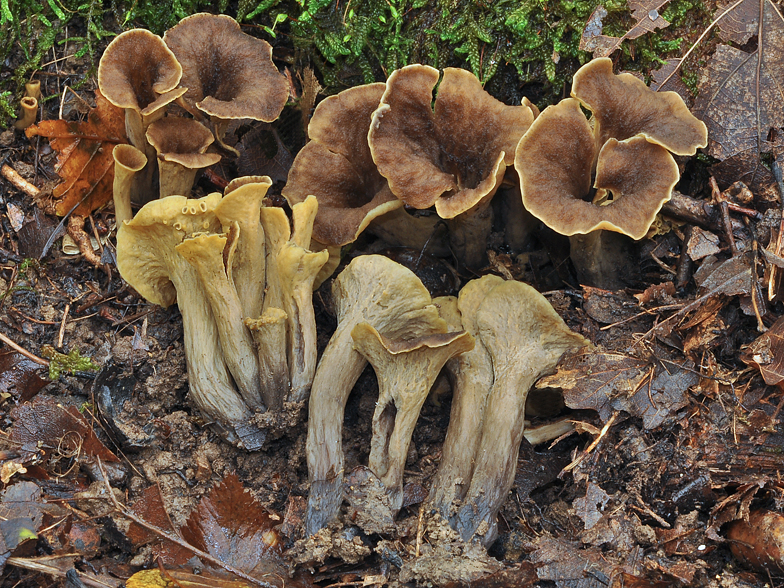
x=468, y=234
x=136, y=130
x=29, y=112
x=128, y=162
x=601, y=259
x=406, y=370
x=211, y=255
x=219, y=126
x=269, y=332
x=175, y=179
x=33, y=89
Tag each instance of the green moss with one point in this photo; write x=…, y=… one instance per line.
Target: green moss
x=71, y=363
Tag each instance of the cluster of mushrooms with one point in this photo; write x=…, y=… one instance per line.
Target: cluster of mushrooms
x=243, y=273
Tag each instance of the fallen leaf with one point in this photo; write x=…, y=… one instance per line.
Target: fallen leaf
x=590, y=507
x=262, y=153
x=766, y=353
x=84, y=156
x=19, y=377
x=646, y=19
x=149, y=506
x=607, y=382
x=740, y=96
x=56, y=427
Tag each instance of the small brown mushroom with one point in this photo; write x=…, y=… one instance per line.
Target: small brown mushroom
x=374, y=290
x=615, y=176
x=180, y=144
x=451, y=153
x=525, y=338
x=406, y=370
x=139, y=73
x=228, y=74
x=126, y=188
x=337, y=168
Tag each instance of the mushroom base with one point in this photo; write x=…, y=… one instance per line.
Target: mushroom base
x=602, y=259
x=468, y=234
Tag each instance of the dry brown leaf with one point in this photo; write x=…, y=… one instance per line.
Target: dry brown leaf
x=84, y=156
x=647, y=19
x=741, y=98
x=766, y=353
x=149, y=506
x=607, y=382
x=19, y=377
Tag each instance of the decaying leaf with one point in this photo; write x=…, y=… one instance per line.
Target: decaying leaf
x=19, y=377
x=606, y=381
x=149, y=506
x=262, y=153
x=741, y=98
x=84, y=156
x=56, y=427
x=647, y=19
x=766, y=353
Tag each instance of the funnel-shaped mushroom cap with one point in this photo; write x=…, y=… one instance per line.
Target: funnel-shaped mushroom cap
x=452, y=155
x=337, y=168
x=128, y=162
x=228, y=74
x=137, y=70
x=372, y=289
x=555, y=160
x=406, y=370
x=182, y=140
x=623, y=106
x=525, y=338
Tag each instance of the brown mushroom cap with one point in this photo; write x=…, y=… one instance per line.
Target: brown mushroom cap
x=452, y=155
x=136, y=69
x=182, y=140
x=554, y=160
x=623, y=106
x=228, y=74
x=337, y=168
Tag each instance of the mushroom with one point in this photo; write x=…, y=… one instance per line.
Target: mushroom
x=212, y=257
x=337, y=168
x=128, y=162
x=451, y=154
x=29, y=113
x=581, y=179
x=138, y=73
x=406, y=370
x=525, y=338
x=180, y=144
x=291, y=271
x=471, y=374
x=147, y=259
x=228, y=74
x=375, y=290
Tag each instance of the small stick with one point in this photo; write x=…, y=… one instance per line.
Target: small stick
x=725, y=219
x=18, y=181
x=684, y=267
x=23, y=351
x=61, y=332
x=420, y=530
x=36, y=565
x=592, y=446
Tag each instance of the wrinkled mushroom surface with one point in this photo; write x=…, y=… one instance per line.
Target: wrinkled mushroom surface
x=375, y=290
x=337, y=168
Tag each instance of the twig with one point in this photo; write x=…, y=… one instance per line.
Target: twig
x=420, y=530
x=18, y=181
x=35, y=564
x=684, y=266
x=61, y=332
x=592, y=446
x=23, y=351
x=173, y=538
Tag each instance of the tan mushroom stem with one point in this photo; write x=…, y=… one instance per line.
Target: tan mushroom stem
x=525, y=338
x=148, y=261
x=471, y=374
x=242, y=202
x=212, y=255
x=406, y=370
x=128, y=162
x=29, y=113
x=269, y=333
x=602, y=259
x=375, y=290
x=33, y=89
x=177, y=173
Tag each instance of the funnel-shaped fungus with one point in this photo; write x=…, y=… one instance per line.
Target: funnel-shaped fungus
x=375, y=290
x=212, y=256
x=148, y=261
x=139, y=73
x=471, y=374
x=29, y=107
x=581, y=179
x=126, y=188
x=337, y=168
x=291, y=271
x=228, y=74
x=406, y=370
x=180, y=144
x=525, y=338
x=451, y=154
